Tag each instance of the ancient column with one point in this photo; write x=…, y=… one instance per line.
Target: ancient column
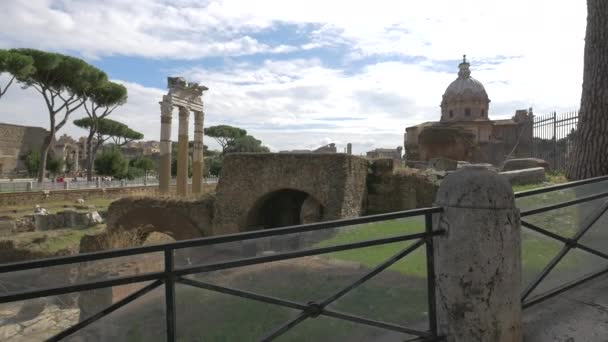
x=182, y=152
x=197, y=154
x=164, y=173
x=478, y=260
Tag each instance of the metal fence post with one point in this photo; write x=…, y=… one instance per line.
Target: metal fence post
x=554, y=140
x=169, y=295
x=478, y=260
x=430, y=276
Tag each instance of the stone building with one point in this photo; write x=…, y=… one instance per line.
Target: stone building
x=70, y=151
x=15, y=142
x=384, y=153
x=465, y=131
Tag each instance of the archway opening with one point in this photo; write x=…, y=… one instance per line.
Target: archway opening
x=286, y=207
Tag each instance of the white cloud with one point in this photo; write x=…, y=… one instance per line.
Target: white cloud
x=302, y=103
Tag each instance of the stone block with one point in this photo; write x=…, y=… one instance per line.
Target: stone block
x=526, y=176
x=525, y=163
x=443, y=164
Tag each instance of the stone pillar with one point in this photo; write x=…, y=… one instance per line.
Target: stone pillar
x=182, y=152
x=164, y=172
x=349, y=148
x=197, y=154
x=478, y=260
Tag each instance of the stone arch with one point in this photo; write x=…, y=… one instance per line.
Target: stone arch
x=165, y=221
x=284, y=207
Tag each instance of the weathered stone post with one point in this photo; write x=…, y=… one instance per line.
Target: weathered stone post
x=197, y=154
x=478, y=260
x=164, y=172
x=182, y=152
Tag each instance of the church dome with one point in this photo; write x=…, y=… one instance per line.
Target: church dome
x=465, y=99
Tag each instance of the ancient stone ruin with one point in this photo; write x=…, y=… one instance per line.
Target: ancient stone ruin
x=187, y=97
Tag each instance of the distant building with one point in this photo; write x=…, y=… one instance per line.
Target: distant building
x=465, y=132
x=15, y=142
x=393, y=153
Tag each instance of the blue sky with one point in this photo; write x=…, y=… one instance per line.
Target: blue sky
x=298, y=74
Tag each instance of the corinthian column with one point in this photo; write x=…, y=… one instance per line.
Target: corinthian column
x=182, y=152
x=164, y=172
x=197, y=154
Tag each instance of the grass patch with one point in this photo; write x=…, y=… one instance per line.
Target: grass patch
x=54, y=207
x=53, y=241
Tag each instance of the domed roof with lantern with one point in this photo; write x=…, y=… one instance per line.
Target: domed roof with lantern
x=465, y=98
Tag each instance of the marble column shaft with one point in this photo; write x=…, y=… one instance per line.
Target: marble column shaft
x=182, y=152
x=164, y=172
x=197, y=154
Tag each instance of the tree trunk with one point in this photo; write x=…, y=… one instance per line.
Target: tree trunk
x=590, y=157
x=90, y=156
x=44, y=153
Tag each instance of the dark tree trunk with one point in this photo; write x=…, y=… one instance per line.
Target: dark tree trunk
x=90, y=156
x=44, y=153
x=590, y=157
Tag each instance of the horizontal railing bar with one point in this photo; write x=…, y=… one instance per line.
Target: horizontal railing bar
x=574, y=243
x=298, y=254
x=374, y=323
x=241, y=293
x=552, y=293
x=119, y=304
x=563, y=204
x=25, y=265
x=85, y=286
x=54, y=291
x=531, y=192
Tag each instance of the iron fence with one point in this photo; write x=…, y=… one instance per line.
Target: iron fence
x=554, y=137
x=26, y=186
x=577, y=221
x=172, y=274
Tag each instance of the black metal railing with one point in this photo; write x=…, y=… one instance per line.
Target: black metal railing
x=172, y=275
x=570, y=243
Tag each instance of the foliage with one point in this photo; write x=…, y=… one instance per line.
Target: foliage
x=215, y=165
x=107, y=129
x=17, y=65
x=32, y=162
x=54, y=166
x=246, y=143
x=224, y=134
x=111, y=162
x=101, y=102
x=64, y=82
x=142, y=163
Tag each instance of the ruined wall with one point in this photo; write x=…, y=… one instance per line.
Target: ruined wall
x=390, y=188
x=40, y=197
x=16, y=141
x=181, y=219
x=336, y=181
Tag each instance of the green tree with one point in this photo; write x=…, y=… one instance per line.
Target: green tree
x=590, y=156
x=17, y=65
x=224, y=134
x=106, y=129
x=246, y=143
x=215, y=165
x=111, y=162
x=143, y=163
x=32, y=162
x=101, y=101
x=54, y=166
x=64, y=82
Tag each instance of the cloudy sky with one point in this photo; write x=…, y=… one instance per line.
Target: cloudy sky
x=301, y=73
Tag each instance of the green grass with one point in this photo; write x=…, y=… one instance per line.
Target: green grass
x=17, y=211
x=415, y=263
x=53, y=241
